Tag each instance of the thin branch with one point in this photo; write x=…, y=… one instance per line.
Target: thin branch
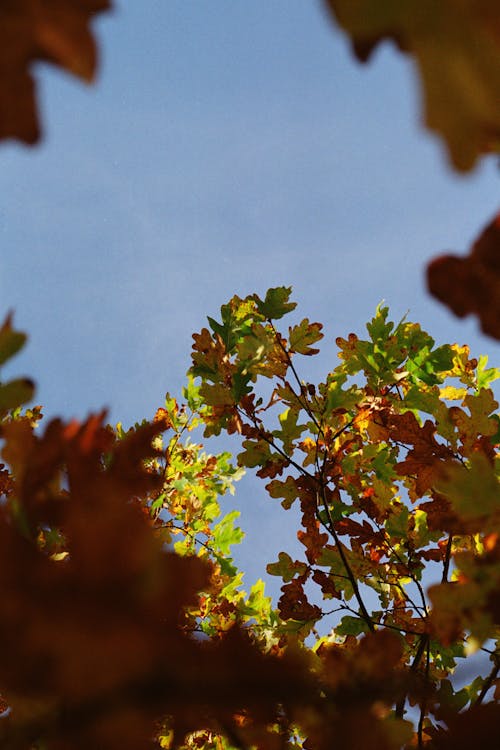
x=270, y=441
x=489, y=680
x=345, y=563
x=398, y=628
x=446, y=561
x=414, y=579
x=423, y=705
x=305, y=406
x=422, y=644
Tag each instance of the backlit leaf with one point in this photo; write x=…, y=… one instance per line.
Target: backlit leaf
x=303, y=335
x=473, y=491
x=471, y=284
x=457, y=50
x=11, y=341
x=276, y=303
x=286, y=568
x=14, y=393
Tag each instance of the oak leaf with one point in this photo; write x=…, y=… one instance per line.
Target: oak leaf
x=286, y=567
x=294, y=605
x=456, y=46
x=473, y=492
x=422, y=459
x=471, y=284
x=303, y=335
x=32, y=31
x=473, y=728
x=276, y=303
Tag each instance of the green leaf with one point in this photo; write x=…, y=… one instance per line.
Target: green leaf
x=286, y=568
x=191, y=393
x=450, y=698
x=217, y=395
x=225, y=533
x=290, y=430
x=397, y=523
x=481, y=407
x=276, y=303
x=473, y=491
x=237, y=317
x=427, y=364
x=351, y=626
x=10, y=341
x=303, y=335
x=336, y=396
x=15, y=393
x=256, y=453
x=287, y=490
x=486, y=376
x=258, y=605
x=378, y=327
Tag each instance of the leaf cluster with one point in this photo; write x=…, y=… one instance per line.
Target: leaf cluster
x=123, y=615
x=393, y=463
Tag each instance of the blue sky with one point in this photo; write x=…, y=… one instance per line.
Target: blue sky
x=227, y=147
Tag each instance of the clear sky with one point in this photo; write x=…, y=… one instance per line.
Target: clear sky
x=227, y=147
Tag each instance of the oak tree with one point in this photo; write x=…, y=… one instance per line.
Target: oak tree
x=123, y=618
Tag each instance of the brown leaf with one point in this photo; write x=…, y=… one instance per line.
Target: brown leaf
x=97, y=645
x=364, y=675
x=32, y=31
x=471, y=284
x=294, y=605
x=477, y=727
x=422, y=460
x=325, y=582
x=5, y=481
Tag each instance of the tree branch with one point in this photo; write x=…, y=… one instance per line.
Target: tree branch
x=352, y=579
x=490, y=679
x=446, y=561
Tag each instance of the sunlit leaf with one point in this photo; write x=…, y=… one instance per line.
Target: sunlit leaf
x=276, y=304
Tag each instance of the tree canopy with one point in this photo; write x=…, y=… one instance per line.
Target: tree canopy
x=121, y=606
x=123, y=617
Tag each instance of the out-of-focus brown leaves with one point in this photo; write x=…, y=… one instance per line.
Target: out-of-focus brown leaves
x=471, y=284
x=86, y=629
x=476, y=727
x=97, y=645
x=456, y=46
x=366, y=676
x=32, y=31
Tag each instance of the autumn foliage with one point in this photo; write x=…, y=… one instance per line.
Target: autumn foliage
x=124, y=615
x=123, y=618
x=455, y=47
x=34, y=31
x=471, y=284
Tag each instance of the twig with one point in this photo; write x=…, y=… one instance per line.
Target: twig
x=446, y=562
x=422, y=643
x=489, y=680
x=345, y=563
x=423, y=705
